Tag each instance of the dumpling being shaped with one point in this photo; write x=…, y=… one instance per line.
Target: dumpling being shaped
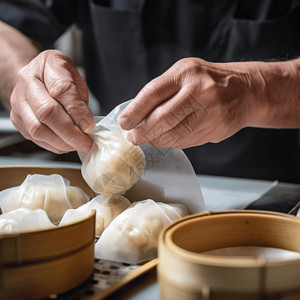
x=132, y=237
x=113, y=164
x=107, y=208
x=52, y=193
x=24, y=220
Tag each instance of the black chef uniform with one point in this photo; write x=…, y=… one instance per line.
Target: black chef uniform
x=127, y=43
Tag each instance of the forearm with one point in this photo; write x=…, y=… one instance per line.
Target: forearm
x=16, y=51
x=275, y=96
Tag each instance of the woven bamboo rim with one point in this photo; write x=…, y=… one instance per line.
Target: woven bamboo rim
x=45, y=244
x=38, y=280
x=183, y=269
x=33, y=270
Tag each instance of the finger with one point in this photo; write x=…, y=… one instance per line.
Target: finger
x=179, y=133
x=169, y=127
x=65, y=85
x=80, y=83
x=49, y=147
x=37, y=132
x=50, y=113
x=154, y=93
x=198, y=138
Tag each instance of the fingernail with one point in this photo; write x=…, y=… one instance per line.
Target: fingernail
x=126, y=123
x=85, y=126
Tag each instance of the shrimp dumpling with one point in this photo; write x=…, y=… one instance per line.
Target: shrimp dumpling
x=107, y=208
x=24, y=220
x=132, y=237
x=52, y=193
x=113, y=165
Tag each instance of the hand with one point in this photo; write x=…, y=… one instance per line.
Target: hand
x=49, y=104
x=192, y=103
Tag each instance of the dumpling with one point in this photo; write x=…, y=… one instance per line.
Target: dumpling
x=114, y=164
x=23, y=220
x=132, y=237
x=51, y=193
x=107, y=208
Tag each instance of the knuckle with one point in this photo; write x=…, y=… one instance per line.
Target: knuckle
x=36, y=130
x=22, y=75
x=190, y=68
x=53, y=53
x=13, y=100
x=76, y=108
x=183, y=62
x=187, y=63
x=46, y=112
x=60, y=87
x=61, y=60
x=161, y=112
x=151, y=89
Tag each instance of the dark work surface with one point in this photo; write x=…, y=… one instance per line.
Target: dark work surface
x=284, y=197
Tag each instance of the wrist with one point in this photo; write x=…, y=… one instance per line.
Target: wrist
x=274, y=94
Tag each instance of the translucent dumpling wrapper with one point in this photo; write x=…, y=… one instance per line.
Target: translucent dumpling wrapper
x=168, y=175
x=24, y=220
x=52, y=193
x=113, y=164
x=107, y=208
x=132, y=237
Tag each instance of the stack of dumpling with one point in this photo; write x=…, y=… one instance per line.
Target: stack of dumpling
x=111, y=168
x=40, y=197
x=127, y=232
x=132, y=237
x=106, y=207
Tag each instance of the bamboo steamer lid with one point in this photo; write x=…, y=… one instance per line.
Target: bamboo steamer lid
x=185, y=273
x=41, y=263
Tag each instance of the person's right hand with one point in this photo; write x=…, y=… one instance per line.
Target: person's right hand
x=49, y=104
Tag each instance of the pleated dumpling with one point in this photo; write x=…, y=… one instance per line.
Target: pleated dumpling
x=132, y=237
x=113, y=165
x=107, y=208
x=24, y=220
x=52, y=193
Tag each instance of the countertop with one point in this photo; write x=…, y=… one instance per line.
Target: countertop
x=220, y=193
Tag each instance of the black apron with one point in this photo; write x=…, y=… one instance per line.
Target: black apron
x=131, y=45
x=127, y=43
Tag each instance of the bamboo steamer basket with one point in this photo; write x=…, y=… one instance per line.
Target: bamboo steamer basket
x=46, y=262
x=185, y=273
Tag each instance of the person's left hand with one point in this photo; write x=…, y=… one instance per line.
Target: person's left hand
x=192, y=103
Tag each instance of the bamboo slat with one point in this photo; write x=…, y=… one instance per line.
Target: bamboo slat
x=184, y=271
